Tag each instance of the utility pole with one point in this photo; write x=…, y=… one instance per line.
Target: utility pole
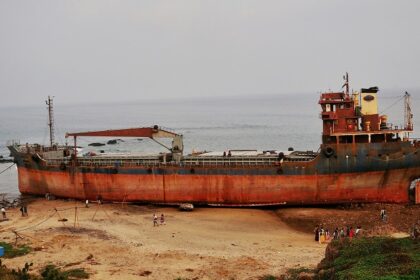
x=49, y=103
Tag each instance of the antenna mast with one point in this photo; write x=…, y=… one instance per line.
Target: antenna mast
x=346, y=83
x=49, y=103
x=408, y=116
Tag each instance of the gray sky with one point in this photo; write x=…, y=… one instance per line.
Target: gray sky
x=134, y=50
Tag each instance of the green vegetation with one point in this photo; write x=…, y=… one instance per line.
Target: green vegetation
x=5, y=272
x=11, y=251
x=293, y=273
x=20, y=274
x=50, y=272
x=371, y=258
x=77, y=273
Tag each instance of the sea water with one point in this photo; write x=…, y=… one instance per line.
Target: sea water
x=211, y=124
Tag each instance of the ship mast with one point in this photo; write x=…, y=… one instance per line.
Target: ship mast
x=49, y=103
x=408, y=116
x=346, y=83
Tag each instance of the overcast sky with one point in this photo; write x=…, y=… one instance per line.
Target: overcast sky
x=134, y=50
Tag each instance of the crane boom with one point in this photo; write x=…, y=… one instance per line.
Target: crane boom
x=146, y=132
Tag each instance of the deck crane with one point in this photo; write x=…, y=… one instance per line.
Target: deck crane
x=154, y=133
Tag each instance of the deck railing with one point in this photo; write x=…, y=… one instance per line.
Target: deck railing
x=37, y=148
x=208, y=161
x=187, y=161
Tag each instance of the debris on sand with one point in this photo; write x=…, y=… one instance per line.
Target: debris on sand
x=186, y=207
x=145, y=273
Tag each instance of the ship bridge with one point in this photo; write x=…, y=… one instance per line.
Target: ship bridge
x=354, y=118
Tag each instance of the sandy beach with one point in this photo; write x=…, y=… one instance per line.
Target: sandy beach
x=114, y=241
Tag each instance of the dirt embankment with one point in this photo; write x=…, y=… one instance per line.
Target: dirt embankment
x=400, y=218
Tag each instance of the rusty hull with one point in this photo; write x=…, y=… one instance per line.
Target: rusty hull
x=376, y=186
x=363, y=172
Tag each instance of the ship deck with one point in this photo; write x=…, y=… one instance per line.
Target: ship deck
x=204, y=159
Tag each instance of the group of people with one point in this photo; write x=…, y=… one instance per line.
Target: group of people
x=323, y=235
x=229, y=154
x=155, y=220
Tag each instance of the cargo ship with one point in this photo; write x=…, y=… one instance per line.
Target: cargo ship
x=362, y=158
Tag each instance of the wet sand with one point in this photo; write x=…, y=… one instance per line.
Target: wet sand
x=115, y=241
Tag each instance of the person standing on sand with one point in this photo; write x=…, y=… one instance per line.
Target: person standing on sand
x=321, y=235
x=316, y=231
x=342, y=233
x=335, y=234
x=162, y=219
x=3, y=212
x=351, y=233
x=155, y=220
x=25, y=210
x=383, y=215
x=358, y=229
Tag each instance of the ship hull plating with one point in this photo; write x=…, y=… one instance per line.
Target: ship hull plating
x=376, y=186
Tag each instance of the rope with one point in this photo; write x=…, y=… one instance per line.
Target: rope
x=28, y=236
x=45, y=132
x=57, y=129
x=7, y=168
x=56, y=211
x=65, y=209
x=100, y=207
x=389, y=107
x=49, y=217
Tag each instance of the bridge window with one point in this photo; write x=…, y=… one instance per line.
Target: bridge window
x=378, y=138
x=362, y=138
x=346, y=139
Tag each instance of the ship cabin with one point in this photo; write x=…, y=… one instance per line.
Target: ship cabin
x=354, y=118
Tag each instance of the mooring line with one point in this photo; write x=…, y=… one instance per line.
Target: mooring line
x=7, y=168
x=55, y=212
